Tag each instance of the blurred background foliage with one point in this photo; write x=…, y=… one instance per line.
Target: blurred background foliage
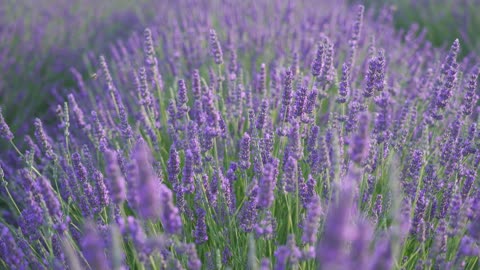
x=444, y=20
x=40, y=40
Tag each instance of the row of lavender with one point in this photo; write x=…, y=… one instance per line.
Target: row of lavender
x=287, y=138
x=40, y=40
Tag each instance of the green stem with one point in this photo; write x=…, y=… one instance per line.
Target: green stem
x=11, y=197
x=23, y=156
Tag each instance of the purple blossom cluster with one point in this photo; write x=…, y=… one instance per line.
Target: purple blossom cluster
x=295, y=139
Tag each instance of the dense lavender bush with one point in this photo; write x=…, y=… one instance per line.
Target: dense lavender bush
x=244, y=135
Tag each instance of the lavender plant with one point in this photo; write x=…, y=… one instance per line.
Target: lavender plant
x=296, y=139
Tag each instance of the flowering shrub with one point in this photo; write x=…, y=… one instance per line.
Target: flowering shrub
x=245, y=135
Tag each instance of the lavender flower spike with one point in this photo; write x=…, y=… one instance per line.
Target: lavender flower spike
x=170, y=216
x=4, y=128
x=312, y=221
x=215, y=48
x=470, y=98
x=318, y=61
x=93, y=248
x=116, y=181
x=359, y=144
x=266, y=187
x=9, y=250
x=43, y=140
x=245, y=152
x=149, y=200
x=200, y=233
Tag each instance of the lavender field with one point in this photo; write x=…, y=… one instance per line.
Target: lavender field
x=236, y=135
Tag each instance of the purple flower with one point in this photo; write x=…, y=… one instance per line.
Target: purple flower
x=312, y=221
x=318, y=61
x=265, y=264
x=125, y=128
x=148, y=189
x=344, y=87
x=468, y=247
x=233, y=63
x=281, y=257
x=294, y=148
x=196, y=85
x=200, y=233
x=266, y=145
x=380, y=71
x=287, y=96
x=31, y=218
x=194, y=144
x=260, y=123
x=262, y=80
x=370, y=78
x=419, y=214
x=102, y=192
x=188, y=181
x=10, y=252
x=312, y=139
x=470, y=98
x=173, y=166
x=289, y=182
x=244, y=156
x=382, y=118
x=328, y=71
x=266, y=226
x=88, y=199
x=150, y=60
x=355, y=36
x=227, y=185
x=248, y=213
x=415, y=165
x=93, y=248
x=474, y=227
x=32, y=146
x=450, y=59
x=170, y=216
x=43, y=140
x=360, y=244
x=193, y=262
x=138, y=237
x=78, y=113
x=449, y=70
x=106, y=73
x=4, y=128
x=310, y=102
x=383, y=256
x=354, y=109
x=266, y=186
x=300, y=98
x=337, y=230
x=51, y=200
x=182, y=99
x=470, y=177
x=306, y=189
x=377, y=209
x=215, y=49
x=359, y=143
x=145, y=96
x=287, y=254
x=116, y=181
x=211, y=188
